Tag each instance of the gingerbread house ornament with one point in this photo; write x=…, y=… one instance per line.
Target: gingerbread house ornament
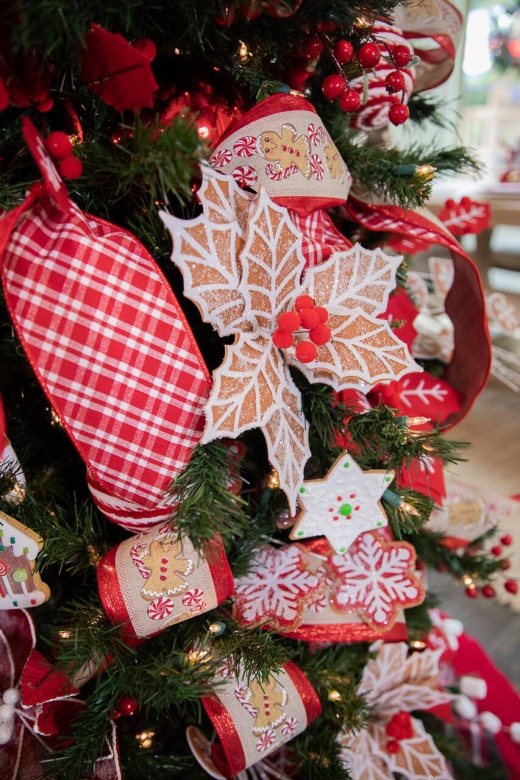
x=20, y=586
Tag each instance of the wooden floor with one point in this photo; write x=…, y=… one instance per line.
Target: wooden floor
x=493, y=428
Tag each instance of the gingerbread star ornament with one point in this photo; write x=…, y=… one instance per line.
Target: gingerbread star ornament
x=242, y=265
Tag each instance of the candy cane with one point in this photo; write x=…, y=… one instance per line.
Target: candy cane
x=136, y=554
x=283, y=174
x=239, y=693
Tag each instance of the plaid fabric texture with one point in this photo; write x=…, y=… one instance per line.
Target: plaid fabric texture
x=320, y=236
x=111, y=349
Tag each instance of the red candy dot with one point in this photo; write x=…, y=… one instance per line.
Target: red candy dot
x=398, y=114
x=332, y=87
x=344, y=52
x=322, y=311
x=401, y=56
x=306, y=352
x=71, y=167
x=350, y=101
x=59, y=145
x=283, y=339
x=511, y=586
x=369, y=55
x=489, y=592
x=394, y=82
x=309, y=318
x=303, y=302
x=506, y=539
x=289, y=321
x=392, y=746
x=320, y=335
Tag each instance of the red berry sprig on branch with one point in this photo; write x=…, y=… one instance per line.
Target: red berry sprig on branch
x=369, y=55
x=398, y=728
x=60, y=148
x=309, y=317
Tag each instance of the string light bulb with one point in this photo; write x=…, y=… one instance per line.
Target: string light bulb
x=334, y=696
x=273, y=480
x=145, y=739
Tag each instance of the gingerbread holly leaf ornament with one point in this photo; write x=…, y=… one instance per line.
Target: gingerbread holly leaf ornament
x=242, y=264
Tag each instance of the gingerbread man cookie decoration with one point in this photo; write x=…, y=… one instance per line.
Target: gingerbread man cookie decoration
x=287, y=151
x=166, y=569
x=269, y=703
x=334, y=162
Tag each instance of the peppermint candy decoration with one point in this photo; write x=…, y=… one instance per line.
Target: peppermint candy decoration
x=246, y=146
x=289, y=727
x=374, y=113
x=221, y=158
x=193, y=597
x=317, y=167
x=265, y=741
x=245, y=176
x=160, y=608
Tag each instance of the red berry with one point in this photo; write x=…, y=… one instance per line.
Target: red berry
x=496, y=550
x=393, y=730
x=59, y=145
x=250, y=9
x=146, y=47
x=398, y=114
x=505, y=564
x=289, y=321
x=322, y=311
x=227, y=16
x=127, y=705
x=344, y=52
x=45, y=105
x=309, y=318
x=403, y=718
x=320, y=334
x=283, y=339
x=70, y=167
x=332, y=87
x=489, y=592
x=471, y=593
x=394, y=82
x=392, y=746
x=306, y=352
x=369, y=55
x=297, y=79
x=401, y=56
x=313, y=47
x=506, y=539
x=350, y=101
x=304, y=302
x=511, y=586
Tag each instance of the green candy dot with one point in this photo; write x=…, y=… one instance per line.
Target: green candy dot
x=346, y=509
x=302, y=490
x=346, y=465
x=15, y=603
x=300, y=533
x=342, y=549
x=388, y=479
x=380, y=523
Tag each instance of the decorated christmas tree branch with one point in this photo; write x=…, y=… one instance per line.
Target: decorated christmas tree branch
x=317, y=751
x=418, y=620
x=469, y=564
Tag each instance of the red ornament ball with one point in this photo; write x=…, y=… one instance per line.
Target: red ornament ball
x=398, y=114
x=350, y=101
x=511, y=586
x=127, y=705
x=369, y=55
x=394, y=82
x=471, y=593
x=309, y=318
x=59, y=145
x=489, y=592
x=496, y=550
x=306, y=352
x=344, y=52
x=332, y=87
x=70, y=167
x=322, y=311
x=401, y=56
x=392, y=747
x=283, y=339
x=289, y=321
x=304, y=302
x=506, y=539
x=320, y=334
x=313, y=47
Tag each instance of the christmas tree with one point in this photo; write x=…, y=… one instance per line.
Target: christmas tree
x=224, y=443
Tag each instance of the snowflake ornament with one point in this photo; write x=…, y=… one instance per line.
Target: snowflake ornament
x=342, y=505
x=375, y=578
x=277, y=588
x=394, y=683
x=242, y=264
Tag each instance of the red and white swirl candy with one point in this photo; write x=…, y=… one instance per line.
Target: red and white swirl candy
x=245, y=147
x=193, y=597
x=160, y=608
x=317, y=167
x=245, y=176
x=374, y=113
x=221, y=158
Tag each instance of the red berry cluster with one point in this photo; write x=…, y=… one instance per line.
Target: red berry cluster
x=488, y=591
x=368, y=57
x=126, y=706
x=309, y=317
x=60, y=148
x=398, y=728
